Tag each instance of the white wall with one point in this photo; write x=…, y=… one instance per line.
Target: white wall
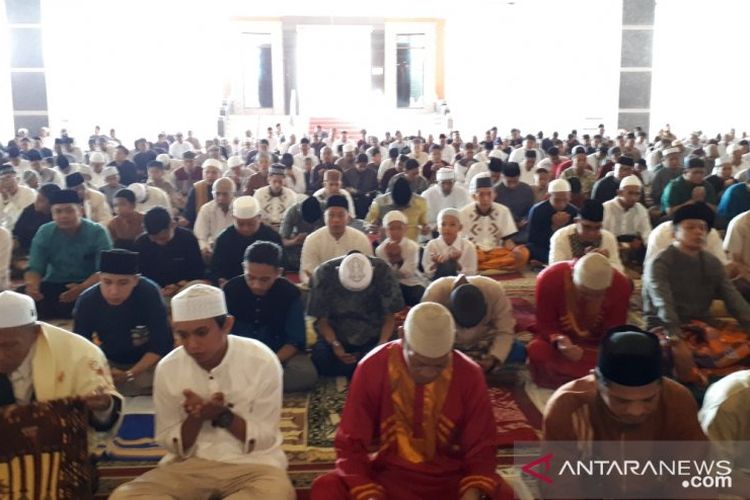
x=139, y=66
x=6, y=102
x=535, y=64
x=700, y=66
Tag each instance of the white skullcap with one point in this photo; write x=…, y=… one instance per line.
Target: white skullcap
x=234, y=161
x=16, y=309
x=676, y=143
x=84, y=170
x=245, y=207
x=164, y=158
x=429, y=329
x=733, y=147
x=394, y=216
x=670, y=151
x=97, y=157
x=198, y=302
x=139, y=190
x=212, y=163
x=448, y=212
x=558, y=186
x=496, y=153
x=355, y=272
x=110, y=171
x=631, y=180
x=348, y=148
x=445, y=174
x=593, y=271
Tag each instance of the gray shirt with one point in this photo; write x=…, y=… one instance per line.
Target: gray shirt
x=678, y=288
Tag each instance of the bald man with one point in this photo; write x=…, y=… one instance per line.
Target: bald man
x=417, y=382
x=215, y=216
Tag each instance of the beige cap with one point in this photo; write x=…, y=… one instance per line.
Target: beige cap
x=198, y=302
x=429, y=329
x=16, y=310
x=97, y=157
x=558, y=186
x=139, y=190
x=631, y=180
x=245, y=207
x=234, y=161
x=394, y=216
x=593, y=271
x=212, y=163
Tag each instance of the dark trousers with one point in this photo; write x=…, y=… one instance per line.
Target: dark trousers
x=50, y=306
x=412, y=294
x=329, y=365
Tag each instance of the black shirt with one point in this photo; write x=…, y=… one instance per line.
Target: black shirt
x=127, y=171
x=141, y=160
x=229, y=250
x=127, y=331
x=29, y=221
x=178, y=260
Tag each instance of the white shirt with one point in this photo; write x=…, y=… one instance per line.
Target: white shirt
x=321, y=195
x=385, y=165
x=487, y=231
x=407, y=274
x=448, y=154
x=518, y=155
x=6, y=250
x=297, y=184
x=177, y=149
x=594, y=161
x=97, y=179
x=320, y=246
x=559, y=247
x=272, y=208
x=662, y=236
x=11, y=208
x=249, y=376
x=477, y=168
x=155, y=197
x=299, y=159
x=438, y=246
x=737, y=239
x=96, y=207
x=436, y=201
x=620, y=222
x=209, y=224
x=421, y=157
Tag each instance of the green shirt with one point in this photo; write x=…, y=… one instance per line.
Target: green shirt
x=679, y=191
x=62, y=258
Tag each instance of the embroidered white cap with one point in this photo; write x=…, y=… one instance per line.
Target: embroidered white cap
x=245, y=207
x=593, y=271
x=165, y=159
x=448, y=212
x=212, y=163
x=198, y=302
x=139, y=190
x=394, y=216
x=445, y=174
x=558, y=186
x=348, y=148
x=670, y=151
x=97, y=157
x=355, y=272
x=631, y=180
x=429, y=329
x=110, y=171
x=234, y=161
x=16, y=309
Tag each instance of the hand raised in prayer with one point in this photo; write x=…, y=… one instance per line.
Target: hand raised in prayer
x=300, y=238
x=344, y=357
x=472, y=494
x=71, y=294
x=559, y=219
x=455, y=254
x=213, y=406
x=699, y=194
x=567, y=348
x=487, y=362
x=33, y=292
x=118, y=375
x=169, y=290
x=97, y=400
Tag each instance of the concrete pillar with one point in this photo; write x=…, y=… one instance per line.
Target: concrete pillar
x=636, y=63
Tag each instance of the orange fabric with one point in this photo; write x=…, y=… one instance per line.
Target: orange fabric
x=201, y=195
x=717, y=351
x=415, y=432
x=503, y=258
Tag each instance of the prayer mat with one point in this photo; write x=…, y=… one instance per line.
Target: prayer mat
x=516, y=416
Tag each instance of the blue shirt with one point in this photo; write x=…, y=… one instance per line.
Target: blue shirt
x=540, y=228
x=127, y=331
x=60, y=257
x=734, y=201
